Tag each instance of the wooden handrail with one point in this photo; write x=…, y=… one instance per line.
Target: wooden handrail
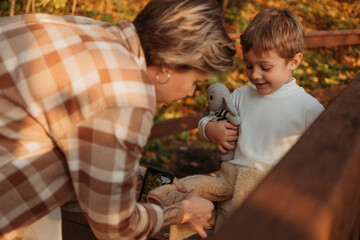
x=326, y=38
x=174, y=126
x=313, y=193
x=326, y=94
x=331, y=38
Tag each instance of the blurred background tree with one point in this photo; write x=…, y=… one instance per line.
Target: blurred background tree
x=320, y=68
x=228, y=4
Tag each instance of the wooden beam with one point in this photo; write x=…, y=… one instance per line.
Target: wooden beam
x=314, y=39
x=326, y=94
x=313, y=193
x=74, y=224
x=174, y=126
x=332, y=38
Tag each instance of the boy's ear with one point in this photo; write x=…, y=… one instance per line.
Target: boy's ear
x=295, y=62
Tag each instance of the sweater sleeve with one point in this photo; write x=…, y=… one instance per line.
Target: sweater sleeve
x=202, y=124
x=103, y=154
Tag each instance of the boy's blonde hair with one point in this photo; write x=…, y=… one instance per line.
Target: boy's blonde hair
x=187, y=34
x=274, y=29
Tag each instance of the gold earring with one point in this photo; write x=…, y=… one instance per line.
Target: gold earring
x=158, y=78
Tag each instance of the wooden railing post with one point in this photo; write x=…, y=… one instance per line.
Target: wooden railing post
x=314, y=192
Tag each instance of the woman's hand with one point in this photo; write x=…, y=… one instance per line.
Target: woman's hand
x=193, y=210
x=221, y=133
x=197, y=212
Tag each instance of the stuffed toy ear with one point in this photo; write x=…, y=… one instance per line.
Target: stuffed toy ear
x=230, y=106
x=205, y=112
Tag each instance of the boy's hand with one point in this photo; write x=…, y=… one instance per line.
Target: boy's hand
x=221, y=133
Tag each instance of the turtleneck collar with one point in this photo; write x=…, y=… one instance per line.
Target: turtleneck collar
x=286, y=89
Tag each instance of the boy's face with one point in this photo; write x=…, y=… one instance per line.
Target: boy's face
x=268, y=71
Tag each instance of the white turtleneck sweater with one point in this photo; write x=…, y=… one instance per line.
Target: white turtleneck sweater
x=270, y=124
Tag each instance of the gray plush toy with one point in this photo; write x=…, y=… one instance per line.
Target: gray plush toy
x=220, y=107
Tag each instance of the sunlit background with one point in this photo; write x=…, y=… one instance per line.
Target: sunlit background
x=320, y=68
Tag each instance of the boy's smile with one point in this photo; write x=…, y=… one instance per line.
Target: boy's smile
x=268, y=71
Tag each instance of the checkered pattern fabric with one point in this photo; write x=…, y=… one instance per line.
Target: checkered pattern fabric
x=76, y=111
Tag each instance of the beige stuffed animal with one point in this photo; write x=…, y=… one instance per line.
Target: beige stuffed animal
x=230, y=182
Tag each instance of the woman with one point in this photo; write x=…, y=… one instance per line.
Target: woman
x=78, y=98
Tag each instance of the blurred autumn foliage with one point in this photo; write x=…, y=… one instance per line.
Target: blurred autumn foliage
x=320, y=68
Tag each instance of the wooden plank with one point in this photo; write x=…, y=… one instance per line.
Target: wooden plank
x=313, y=193
x=327, y=94
x=74, y=223
x=189, y=160
x=332, y=38
x=326, y=38
x=174, y=126
x=356, y=228
x=74, y=231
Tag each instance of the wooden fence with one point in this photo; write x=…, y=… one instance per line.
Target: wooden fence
x=326, y=38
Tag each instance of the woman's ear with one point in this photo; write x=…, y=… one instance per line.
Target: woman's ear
x=295, y=62
x=164, y=68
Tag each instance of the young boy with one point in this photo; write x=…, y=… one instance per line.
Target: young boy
x=274, y=110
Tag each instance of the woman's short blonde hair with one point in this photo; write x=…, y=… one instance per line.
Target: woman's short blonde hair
x=186, y=34
x=274, y=29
